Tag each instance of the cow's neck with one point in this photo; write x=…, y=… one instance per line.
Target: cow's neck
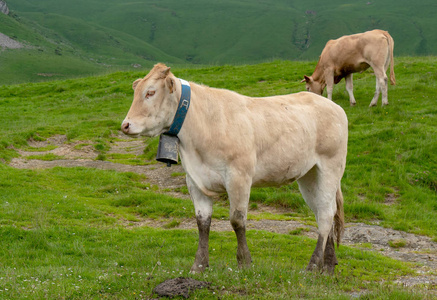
x=181, y=112
x=198, y=119
x=207, y=120
x=319, y=74
x=201, y=134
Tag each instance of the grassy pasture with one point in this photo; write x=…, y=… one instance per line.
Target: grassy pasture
x=65, y=231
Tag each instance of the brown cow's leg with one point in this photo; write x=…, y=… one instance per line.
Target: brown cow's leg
x=329, y=80
x=381, y=86
x=384, y=90
x=350, y=88
x=330, y=260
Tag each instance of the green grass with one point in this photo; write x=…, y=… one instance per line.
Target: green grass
x=70, y=232
x=62, y=238
x=46, y=157
x=115, y=263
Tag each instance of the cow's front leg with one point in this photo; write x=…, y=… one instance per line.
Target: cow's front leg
x=350, y=88
x=239, y=193
x=238, y=222
x=329, y=77
x=203, y=209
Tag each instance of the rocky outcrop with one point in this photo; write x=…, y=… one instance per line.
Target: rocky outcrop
x=4, y=7
x=8, y=43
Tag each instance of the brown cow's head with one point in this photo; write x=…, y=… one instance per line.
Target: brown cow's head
x=313, y=86
x=154, y=105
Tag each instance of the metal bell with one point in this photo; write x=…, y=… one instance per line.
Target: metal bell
x=168, y=149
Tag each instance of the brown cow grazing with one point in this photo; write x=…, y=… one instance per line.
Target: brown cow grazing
x=229, y=142
x=351, y=54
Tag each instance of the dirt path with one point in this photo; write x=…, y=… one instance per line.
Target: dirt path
x=417, y=249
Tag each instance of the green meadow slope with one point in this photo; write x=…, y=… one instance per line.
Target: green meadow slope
x=94, y=36
x=83, y=50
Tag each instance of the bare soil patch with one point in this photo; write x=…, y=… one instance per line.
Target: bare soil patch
x=179, y=287
x=414, y=248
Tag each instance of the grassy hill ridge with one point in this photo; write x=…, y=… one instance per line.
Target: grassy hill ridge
x=120, y=34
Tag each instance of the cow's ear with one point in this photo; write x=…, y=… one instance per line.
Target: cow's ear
x=170, y=84
x=306, y=79
x=166, y=71
x=135, y=83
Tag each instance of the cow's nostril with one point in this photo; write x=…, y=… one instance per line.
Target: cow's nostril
x=125, y=127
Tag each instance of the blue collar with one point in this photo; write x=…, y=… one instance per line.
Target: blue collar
x=182, y=110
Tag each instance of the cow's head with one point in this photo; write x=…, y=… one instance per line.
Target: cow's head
x=154, y=105
x=312, y=85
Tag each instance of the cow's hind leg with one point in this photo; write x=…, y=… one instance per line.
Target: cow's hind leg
x=381, y=87
x=239, y=192
x=330, y=260
x=203, y=209
x=319, y=193
x=384, y=89
x=374, y=101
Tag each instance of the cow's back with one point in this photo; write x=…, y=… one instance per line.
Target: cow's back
x=354, y=53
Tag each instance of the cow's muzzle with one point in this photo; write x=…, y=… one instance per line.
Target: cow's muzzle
x=125, y=127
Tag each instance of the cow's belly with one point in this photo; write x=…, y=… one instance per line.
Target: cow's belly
x=280, y=171
x=206, y=178
x=270, y=172
x=346, y=69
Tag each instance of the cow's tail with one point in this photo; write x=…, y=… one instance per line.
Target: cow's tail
x=339, y=216
x=391, y=45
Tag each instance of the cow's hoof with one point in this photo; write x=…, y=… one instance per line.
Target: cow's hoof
x=244, y=265
x=329, y=269
x=312, y=267
x=195, y=269
x=353, y=104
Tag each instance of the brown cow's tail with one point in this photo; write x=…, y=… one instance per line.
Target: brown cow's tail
x=339, y=216
x=391, y=45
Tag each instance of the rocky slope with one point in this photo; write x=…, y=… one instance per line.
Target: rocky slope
x=4, y=7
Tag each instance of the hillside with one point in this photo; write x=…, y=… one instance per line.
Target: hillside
x=99, y=35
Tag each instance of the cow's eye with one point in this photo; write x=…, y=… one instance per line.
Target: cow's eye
x=149, y=94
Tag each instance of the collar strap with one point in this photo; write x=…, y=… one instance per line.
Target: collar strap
x=182, y=110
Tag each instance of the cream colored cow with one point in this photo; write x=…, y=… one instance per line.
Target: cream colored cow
x=230, y=142
x=350, y=54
